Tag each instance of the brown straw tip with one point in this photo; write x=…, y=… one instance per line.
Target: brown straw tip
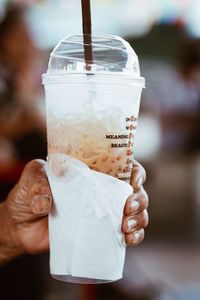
x=87, y=31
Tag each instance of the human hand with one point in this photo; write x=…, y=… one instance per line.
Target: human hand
x=135, y=211
x=23, y=216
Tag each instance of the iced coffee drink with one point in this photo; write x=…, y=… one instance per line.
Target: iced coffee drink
x=102, y=139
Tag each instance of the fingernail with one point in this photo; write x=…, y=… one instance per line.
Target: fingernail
x=131, y=223
x=134, y=206
x=41, y=205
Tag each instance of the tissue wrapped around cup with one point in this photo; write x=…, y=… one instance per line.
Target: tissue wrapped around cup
x=85, y=223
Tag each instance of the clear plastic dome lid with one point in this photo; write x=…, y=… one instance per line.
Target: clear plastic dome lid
x=111, y=55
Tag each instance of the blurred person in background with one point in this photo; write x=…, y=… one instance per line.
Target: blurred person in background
x=180, y=102
x=22, y=126
x=22, y=137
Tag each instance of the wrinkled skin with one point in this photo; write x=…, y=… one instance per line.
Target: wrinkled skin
x=23, y=216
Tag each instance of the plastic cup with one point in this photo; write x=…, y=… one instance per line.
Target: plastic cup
x=92, y=115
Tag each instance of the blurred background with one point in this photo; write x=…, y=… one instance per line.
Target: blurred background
x=166, y=36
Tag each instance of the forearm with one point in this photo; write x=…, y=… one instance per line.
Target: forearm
x=8, y=238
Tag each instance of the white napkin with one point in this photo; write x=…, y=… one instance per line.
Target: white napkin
x=85, y=224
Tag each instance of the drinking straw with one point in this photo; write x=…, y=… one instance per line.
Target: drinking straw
x=87, y=31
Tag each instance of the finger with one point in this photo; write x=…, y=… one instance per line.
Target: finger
x=135, y=223
x=135, y=238
x=34, y=171
x=137, y=202
x=39, y=190
x=138, y=175
x=41, y=205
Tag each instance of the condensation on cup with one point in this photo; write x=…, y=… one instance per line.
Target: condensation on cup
x=92, y=114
